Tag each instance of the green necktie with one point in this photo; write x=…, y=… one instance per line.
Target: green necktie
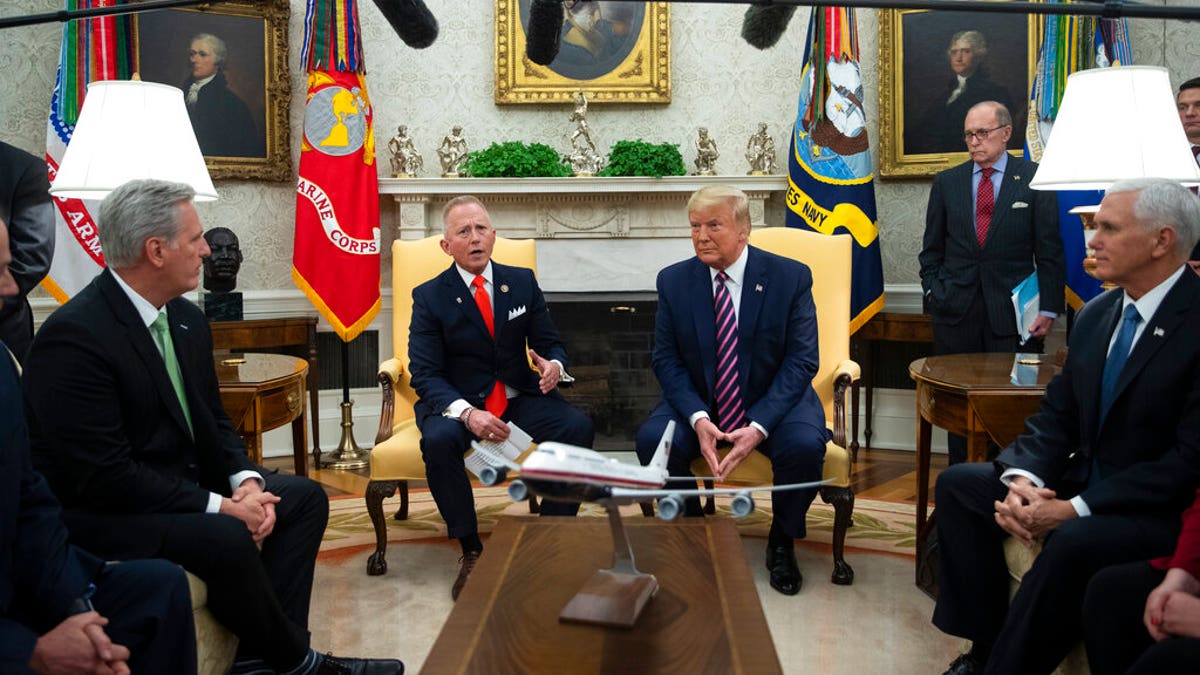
x=162, y=334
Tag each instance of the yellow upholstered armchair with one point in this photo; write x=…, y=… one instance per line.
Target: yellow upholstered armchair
x=396, y=457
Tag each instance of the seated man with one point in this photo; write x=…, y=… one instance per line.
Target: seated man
x=146, y=462
x=1107, y=464
x=63, y=610
x=735, y=350
x=467, y=346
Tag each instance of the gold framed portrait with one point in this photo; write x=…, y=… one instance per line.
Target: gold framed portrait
x=230, y=60
x=933, y=66
x=618, y=52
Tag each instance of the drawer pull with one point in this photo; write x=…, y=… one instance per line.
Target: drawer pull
x=293, y=401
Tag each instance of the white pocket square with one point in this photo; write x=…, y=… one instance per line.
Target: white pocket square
x=515, y=312
x=1020, y=205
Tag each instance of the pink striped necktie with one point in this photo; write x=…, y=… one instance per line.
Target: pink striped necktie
x=730, y=412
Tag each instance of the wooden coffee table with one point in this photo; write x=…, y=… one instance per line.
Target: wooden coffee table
x=706, y=617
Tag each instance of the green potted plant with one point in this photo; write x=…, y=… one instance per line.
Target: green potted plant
x=514, y=159
x=639, y=158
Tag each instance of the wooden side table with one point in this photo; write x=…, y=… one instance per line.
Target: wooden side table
x=884, y=326
x=296, y=334
x=261, y=392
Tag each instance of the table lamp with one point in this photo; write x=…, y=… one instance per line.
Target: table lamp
x=129, y=129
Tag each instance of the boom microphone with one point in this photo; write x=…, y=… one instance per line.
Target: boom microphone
x=544, y=31
x=763, y=26
x=411, y=20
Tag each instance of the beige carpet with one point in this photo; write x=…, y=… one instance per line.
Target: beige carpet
x=878, y=625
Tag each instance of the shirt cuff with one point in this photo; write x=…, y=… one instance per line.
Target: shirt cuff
x=696, y=417
x=1050, y=315
x=1081, y=506
x=240, y=477
x=562, y=372
x=760, y=428
x=214, y=503
x=1010, y=474
x=456, y=408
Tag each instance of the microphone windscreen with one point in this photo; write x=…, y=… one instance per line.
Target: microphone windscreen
x=411, y=20
x=763, y=26
x=544, y=31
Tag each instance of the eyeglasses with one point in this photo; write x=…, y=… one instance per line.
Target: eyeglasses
x=982, y=134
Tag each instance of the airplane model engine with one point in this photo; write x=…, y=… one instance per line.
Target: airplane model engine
x=742, y=505
x=491, y=475
x=518, y=491
x=670, y=507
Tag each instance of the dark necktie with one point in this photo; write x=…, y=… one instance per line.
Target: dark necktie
x=496, y=401
x=1117, y=357
x=730, y=413
x=985, y=203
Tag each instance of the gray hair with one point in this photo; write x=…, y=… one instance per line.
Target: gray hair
x=1003, y=117
x=218, y=45
x=1163, y=203
x=974, y=38
x=137, y=211
x=461, y=200
x=713, y=195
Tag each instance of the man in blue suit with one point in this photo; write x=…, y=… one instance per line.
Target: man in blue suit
x=745, y=380
x=471, y=327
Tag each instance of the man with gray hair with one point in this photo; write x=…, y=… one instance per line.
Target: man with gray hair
x=126, y=423
x=1107, y=464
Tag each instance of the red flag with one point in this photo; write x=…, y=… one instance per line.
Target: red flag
x=336, y=256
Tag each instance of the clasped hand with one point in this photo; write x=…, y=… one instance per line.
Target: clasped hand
x=1029, y=512
x=79, y=645
x=743, y=440
x=254, y=507
x=1173, y=608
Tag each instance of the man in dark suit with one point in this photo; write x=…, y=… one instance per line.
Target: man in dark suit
x=146, y=462
x=985, y=232
x=471, y=328
x=1187, y=102
x=25, y=205
x=735, y=351
x=63, y=610
x=1107, y=464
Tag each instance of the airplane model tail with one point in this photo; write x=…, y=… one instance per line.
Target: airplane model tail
x=659, y=461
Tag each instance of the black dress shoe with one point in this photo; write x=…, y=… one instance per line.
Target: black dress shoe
x=965, y=664
x=337, y=665
x=467, y=564
x=785, y=574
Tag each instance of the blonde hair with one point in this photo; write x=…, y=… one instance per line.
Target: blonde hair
x=714, y=195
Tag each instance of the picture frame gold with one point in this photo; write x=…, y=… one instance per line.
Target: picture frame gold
x=919, y=133
x=252, y=93
x=629, y=63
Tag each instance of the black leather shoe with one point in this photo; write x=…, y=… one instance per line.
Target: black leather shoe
x=965, y=664
x=785, y=574
x=337, y=665
x=467, y=564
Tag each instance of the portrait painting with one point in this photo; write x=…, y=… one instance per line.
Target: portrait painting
x=934, y=66
x=230, y=63
x=615, y=51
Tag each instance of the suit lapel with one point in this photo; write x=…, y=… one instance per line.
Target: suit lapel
x=454, y=292
x=1011, y=180
x=1160, y=327
x=703, y=317
x=502, y=282
x=754, y=287
x=966, y=202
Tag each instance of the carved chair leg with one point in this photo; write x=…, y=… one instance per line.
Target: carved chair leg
x=842, y=500
x=377, y=491
x=402, y=512
x=534, y=507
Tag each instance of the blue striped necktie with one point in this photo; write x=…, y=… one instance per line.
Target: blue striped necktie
x=730, y=412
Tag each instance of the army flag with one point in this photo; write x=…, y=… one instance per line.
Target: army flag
x=336, y=256
x=830, y=181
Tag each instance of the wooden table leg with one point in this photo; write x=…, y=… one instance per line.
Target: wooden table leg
x=924, y=443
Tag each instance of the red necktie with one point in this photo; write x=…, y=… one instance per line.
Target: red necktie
x=496, y=400
x=730, y=414
x=985, y=203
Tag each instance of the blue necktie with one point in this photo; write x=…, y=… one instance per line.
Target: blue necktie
x=1117, y=357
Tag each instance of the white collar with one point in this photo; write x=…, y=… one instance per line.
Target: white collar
x=145, y=309
x=737, y=271
x=1148, y=304
x=469, y=278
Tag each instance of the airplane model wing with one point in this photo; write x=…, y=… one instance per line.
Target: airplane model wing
x=635, y=493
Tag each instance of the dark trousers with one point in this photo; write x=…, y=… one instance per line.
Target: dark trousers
x=795, y=447
x=1033, y=633
x=444, y=441
x=149, y=610
x=1117, y=640
x=260, y=596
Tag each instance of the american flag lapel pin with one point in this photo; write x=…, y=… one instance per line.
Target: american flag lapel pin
x=1158, y=332
x=458, y=300
x=758, y=288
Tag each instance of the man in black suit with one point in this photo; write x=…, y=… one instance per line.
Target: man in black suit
x=1107, y=464
x=127, y=425
x=25, y=205
x=985, y=232
x=1187, y=102
x=62, y=610
x=471, y=328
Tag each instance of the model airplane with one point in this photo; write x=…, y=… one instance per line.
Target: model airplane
x=565, y=472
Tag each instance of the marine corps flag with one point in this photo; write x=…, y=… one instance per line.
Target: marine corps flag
x=336, y=256
x=830, y=188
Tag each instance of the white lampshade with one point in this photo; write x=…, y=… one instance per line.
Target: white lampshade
x=1116, y=123
x=129, y=129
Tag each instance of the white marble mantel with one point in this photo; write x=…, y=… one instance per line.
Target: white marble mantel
x=595, y=235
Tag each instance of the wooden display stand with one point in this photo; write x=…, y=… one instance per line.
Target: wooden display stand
x=613, y=597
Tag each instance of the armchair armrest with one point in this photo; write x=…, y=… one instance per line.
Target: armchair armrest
x=389, y=375
x=847, y=372
x=848, y=367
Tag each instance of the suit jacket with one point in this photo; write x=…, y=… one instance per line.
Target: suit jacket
x=26, y=208
x=777, y=339
x=106, y=426
x=223, y=124
x=451, y=354
x=953, y=265
x=1147, y=448
x=40, y=574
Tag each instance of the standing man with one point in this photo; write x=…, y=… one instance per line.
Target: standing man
x=25, y=205
x=735, y=351
x=1187, y=102
x=985, y=232
x=1106, y=465
x=126, y=422
x=472, y=328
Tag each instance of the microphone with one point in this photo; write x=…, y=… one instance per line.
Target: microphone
x=763, y=26
x=411, y=20
x=544, y=31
